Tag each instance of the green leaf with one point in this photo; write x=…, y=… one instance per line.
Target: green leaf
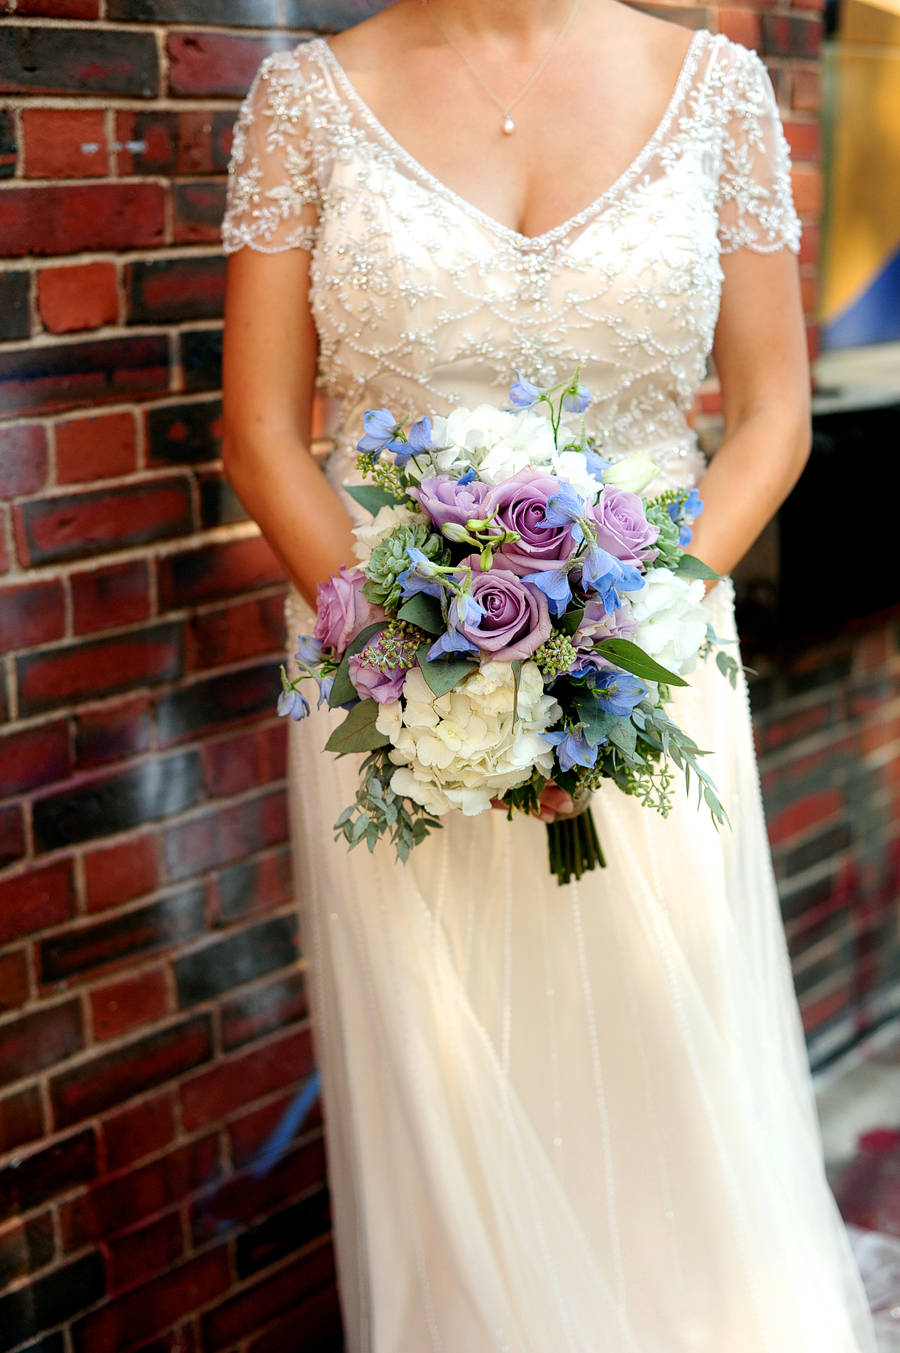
x=689, y=566
x=444, y=673
x=570, y=621
x=423, y=611
x=372, y=498
x=343, y=688
x=624, y=734
x=597, y=722
x=632, y=659
x=516, y=665
x=358, y=732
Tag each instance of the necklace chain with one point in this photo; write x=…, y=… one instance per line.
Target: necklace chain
x=505, y=108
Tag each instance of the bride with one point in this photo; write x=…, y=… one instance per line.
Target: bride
x=560, y=1120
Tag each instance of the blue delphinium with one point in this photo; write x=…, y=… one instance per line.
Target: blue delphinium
x=691, y=507
x=419, y=442
x=292, y=703
x=523, y=394
x=554, y=583
x=381, y=431
x=572, y=747
x=576, y=399
x=618, y=692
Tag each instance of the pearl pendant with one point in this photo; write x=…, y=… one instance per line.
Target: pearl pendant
x=508, y=127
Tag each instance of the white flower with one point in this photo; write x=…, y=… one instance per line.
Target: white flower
x=464, y=749
x=671, y=621
x=633, y=473
x=388, y=518
x=495, y=443
x=573, y=466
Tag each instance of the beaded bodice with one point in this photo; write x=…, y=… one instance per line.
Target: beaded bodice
x=422, y=301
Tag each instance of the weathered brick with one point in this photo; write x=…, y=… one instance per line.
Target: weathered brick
x=55, y=1169
x=51, y=379
x=316, y=1324
x=809, y=189
x=116, y=1076
x=289, y=1230
x=219, y=504
x=199, y=207
x=34, y=756
x=13, y=979
x=216, y=572
x=240, y=13
x=78, y=951
x=740, y=25
x=145, y=1252
x=179, y=434
x=329, y=16
x=804, y=138
x=217, y=65
x=235, y=960
x=116, y=1204
x=223, y=836
x=64, y=143
x=254, y=758
x=78, y=60
x=58, y=9
x=123, y=1006
x=253, y=1308
x=23, y=459
x=113, y=732
x=84, y=296
x=217, y=703
x=155, y=789
x=120, y=872
x=15, y=308
x=127, y=1322
x=34, y=899
x=201, y=359
x=39, y=1039
x=197, y=142
x=73, y=525
x=170, y=290
x=236, y=633
x=21, y=1121
x=806, y=89
x=70, y=219
x=50, y=1300
x=791, y=35
x=136, y=1132
x=31, y=613
x=26, y=1247
x=252, y=886
x=247, y=1196
x=12, y=834
x=209, y=1096
x=262, y=1010
x=116, y=595
x=8, y=147
x=99, y=447
x=72, y=672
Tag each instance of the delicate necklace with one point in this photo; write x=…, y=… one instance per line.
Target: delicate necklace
x=505, y=108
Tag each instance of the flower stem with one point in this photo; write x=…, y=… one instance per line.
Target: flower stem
x=574, y=847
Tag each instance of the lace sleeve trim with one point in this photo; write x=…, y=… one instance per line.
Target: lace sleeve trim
x=272, y=181
x=755, y=199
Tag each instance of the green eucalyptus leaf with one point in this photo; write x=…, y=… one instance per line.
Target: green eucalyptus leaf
x=597, y=722
x=624, y=734
x=423, y=611
x=632, y=659
x=372, y=498
x=343, y=688
x=358, y=732
x=689, y=566
x=444, y=673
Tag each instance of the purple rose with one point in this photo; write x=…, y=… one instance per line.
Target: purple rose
x=521, y=503
x=370, y=684
x=622, y=527
x=342, y=610
x=516, y=620
x=447, y=500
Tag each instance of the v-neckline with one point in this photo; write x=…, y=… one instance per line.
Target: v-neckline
x=685, y=75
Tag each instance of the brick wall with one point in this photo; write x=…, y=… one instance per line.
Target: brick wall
x=153, y=1025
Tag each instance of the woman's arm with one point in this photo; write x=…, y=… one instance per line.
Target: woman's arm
x=760, y=355
x=269, y=374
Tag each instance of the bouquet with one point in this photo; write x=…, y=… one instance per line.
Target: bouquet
x=518, y=617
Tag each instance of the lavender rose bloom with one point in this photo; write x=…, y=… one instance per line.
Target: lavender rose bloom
x=446, y=500
x=370, y=684
x=520, y=503
x=622, y=528
x=342, y=610
x=516, y=620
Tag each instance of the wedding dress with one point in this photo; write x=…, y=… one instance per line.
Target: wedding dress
x=560, y=1120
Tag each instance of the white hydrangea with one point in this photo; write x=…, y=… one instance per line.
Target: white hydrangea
x=495, y=443
x=463, y=749
x=671, y=621
x=388, y=518
x=573, y=466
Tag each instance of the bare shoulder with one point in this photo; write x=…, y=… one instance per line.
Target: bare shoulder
x=374, y=41
x=659, y=46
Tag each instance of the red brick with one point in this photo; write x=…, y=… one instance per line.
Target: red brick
x=791, y=35
x=809, y=294
x=105, y=597
x=252, y=886
x=34, y=756
x=12, y=834
x=129, y=1321
x=34, y=899
x=245, y=1197
x=23, y=459
x=246, y=1312
x=71, y=525
x=740, y=25
x=68, y=220
x=64, y=143
x=794, y=727
x=58, y=9
x=113, y=733
x=316, y=1325
x=812, y=810
x=806, y=89
x=249, y=759
x=235, y=633
x=113, y=1205
x=808, y=188
x=39, y=1039
x=99, y=447
x=247, y=1134
x=53, y=377
x=21, y=1121
x=45, y=1173
x=218, y=838
x=196, y=142
x=812, y=341
x=13, y=979
x=118, y=873
x=804, y=139
x=138, y=1131
x=263, y=1009
x=123, y=1006
x=230, y=1084
x=217, y=64
x=103, y=666
x=214, y=572
x=83, y=296
x=32, y=613
x=144, y=1253
x=198, y=210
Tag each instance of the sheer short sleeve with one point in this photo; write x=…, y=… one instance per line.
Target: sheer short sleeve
x=273, y=194
x=756, y=206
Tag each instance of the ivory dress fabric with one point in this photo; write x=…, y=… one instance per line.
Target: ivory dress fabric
x=560, y=1120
